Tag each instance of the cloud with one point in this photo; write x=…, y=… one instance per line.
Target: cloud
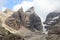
x=3, y=8
x=3, y=2
x=43, y=7
x=26, y=5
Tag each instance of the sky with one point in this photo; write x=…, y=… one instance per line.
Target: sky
x=42, y=7
x=10, y=3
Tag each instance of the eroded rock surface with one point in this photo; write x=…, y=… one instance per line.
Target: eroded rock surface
x=34, y=21
x=6, y=35
x=27, y=24
x=53, y=26
x=29, y=19
x=15, y=20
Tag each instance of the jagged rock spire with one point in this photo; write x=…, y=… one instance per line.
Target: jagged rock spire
x=33, y=21
x=20, y=10
x=16, y=19
x=30, y=9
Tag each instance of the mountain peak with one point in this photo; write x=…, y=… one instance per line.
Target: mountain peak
x=20, y=10
x=30, y=9
x=7, y=10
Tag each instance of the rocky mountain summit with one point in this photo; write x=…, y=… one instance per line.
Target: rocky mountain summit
x=27, y=24
x=29, y=20
x=34, y=22
x=53, y=25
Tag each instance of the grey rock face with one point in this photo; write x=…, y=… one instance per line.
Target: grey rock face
x=29, y=20
x=53, y=26
x=52, y=19
x=34, y=22
x=50, y=16
x=15, y=21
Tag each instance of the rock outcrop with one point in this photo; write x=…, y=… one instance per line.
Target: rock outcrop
x=15, y=20
x=27, y=24
x=6, y=35
x=29, y=19
x=34, y=21
x=53, y=26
